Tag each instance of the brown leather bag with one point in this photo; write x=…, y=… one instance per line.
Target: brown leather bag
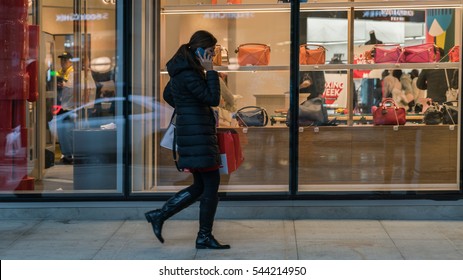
x=253, y=54
x=312, y=54
x=219, y=58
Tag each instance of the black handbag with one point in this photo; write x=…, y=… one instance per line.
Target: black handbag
x=311, y=112
x=252, y=116
x=449, y=113
x=433, y=115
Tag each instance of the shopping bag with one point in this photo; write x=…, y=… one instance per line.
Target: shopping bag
x=312, y=54
x=387, y=113
x=168, y=139
x=231, y=154
x=420, y=53
x=386, y=53
x=253, y=54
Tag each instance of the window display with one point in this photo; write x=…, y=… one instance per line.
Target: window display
x=378, y=89
x=365, y=74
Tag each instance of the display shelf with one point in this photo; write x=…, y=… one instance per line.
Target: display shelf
x=337, y=67
x=311, y=6
x=333, y=67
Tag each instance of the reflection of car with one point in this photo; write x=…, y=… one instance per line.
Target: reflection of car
x=101, y=113
x=97, y=138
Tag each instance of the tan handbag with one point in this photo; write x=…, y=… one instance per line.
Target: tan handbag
x=219, y=57
x=312, y=54
x=253, y=54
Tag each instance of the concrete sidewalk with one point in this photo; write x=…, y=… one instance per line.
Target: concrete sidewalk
x=275, y=239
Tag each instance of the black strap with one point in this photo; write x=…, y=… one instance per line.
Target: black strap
x=174, y=151
x=174, y=142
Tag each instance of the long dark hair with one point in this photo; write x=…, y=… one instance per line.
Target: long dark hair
x=200, y=39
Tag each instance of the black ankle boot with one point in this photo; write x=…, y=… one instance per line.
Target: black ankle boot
x=205, y=239
x=175, y=204
x=209, y=242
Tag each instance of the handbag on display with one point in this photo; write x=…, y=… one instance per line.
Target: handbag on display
x=452, y=93
x=219, y=57
x=312, y=54
x=311, y=112
x=231, y=154
x=383, y=53
x=252, y=116
x=449, y=113
x=168, y=139
x=387, y=113
x=422, y=53
x=253, y=54
x=454, y=54
x=433, y=115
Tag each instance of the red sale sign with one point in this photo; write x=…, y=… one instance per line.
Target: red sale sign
x=335, y=93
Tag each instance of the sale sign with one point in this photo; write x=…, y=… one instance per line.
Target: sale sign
x=335, y=93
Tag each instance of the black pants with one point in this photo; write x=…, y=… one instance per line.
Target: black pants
x=205, y=184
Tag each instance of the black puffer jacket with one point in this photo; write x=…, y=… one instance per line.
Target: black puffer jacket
x=434, y=81
x=192, y=95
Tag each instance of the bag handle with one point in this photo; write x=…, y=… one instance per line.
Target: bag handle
x=253, y=107
x=445, y=108
x=251, y=44
x=388, y=100
x=447, y=79
x=311, y=45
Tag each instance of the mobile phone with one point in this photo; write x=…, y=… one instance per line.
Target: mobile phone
x=200, y=52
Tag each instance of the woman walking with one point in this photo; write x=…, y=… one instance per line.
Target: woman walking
x=192, y=90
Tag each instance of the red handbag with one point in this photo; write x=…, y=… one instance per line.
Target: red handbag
x=253, y=54
x=454, y=54
x=420, y=53
x=387, y=113
x=312, y=54
x=387, y=53
x=230, y=151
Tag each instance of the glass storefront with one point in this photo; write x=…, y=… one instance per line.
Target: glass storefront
x=96, y=131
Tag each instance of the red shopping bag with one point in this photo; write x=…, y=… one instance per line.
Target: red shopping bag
x=230, y=151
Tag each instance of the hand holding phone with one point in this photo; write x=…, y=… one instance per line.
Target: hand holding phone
x=205, y=58
x=200, y=52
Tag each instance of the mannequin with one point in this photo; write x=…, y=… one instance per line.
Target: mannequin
x=373, y=39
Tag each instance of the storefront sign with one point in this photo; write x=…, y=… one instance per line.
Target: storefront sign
x=391, y=15
x=81, y=17
x=228, y=15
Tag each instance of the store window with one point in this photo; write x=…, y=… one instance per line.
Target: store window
x=263, y=85
x=95, y=138
x=402, y=64
x=346, y=151
x=71, y=141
